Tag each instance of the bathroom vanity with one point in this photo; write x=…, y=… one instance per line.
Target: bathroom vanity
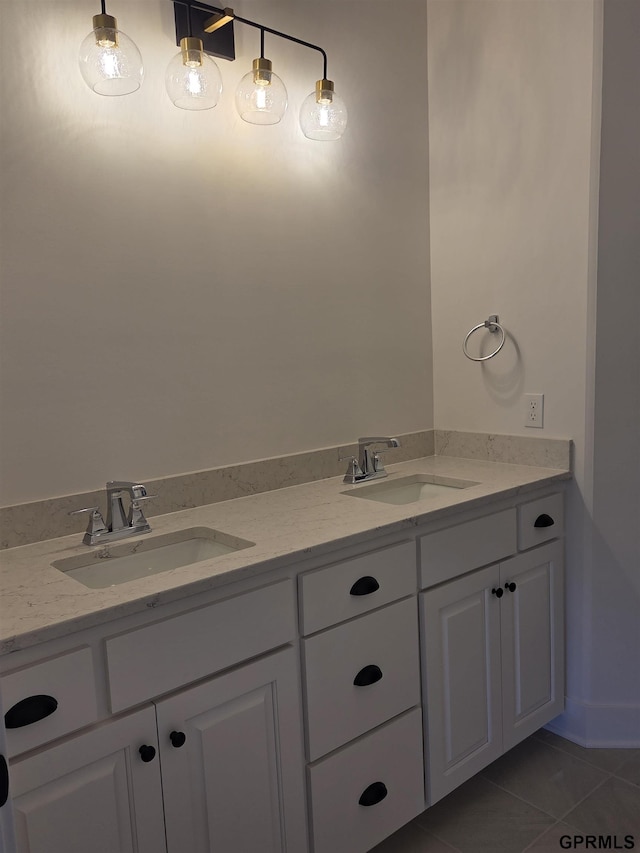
x=312, y=692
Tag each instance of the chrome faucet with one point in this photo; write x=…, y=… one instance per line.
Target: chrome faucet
x=368, y=465
x=118, y=525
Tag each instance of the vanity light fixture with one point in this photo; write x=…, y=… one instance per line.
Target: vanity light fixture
x=110, y=62
x=111, y=65
x=261, y=97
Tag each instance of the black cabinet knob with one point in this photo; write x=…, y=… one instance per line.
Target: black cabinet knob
x=30, y=710
x=368, y=675
x=4, y=781
x=177, y=739
x=497, y=592
x=364, y=586
x=544, y=520
x=510, y=586
x=147, y=753
x=375, y=793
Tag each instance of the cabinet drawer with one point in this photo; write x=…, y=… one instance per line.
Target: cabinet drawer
x=539, y=521
x=459, y=549
x=48, y=700
x=343, y=590
x=158, y=658
x=380, y=651
x=391, y=756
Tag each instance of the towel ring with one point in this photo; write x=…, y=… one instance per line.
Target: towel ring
x=493, y=326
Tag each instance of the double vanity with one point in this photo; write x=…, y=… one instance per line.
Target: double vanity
x=305, y=669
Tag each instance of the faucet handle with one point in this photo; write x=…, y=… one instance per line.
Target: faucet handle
x=136, y=517
x=377, y=462
x=95, y=527
x=96, y=515
x=354, y=471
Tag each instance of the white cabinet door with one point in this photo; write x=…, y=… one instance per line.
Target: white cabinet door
x=461, y=664
x=232, y=763
x=94, y=792
x=493, y=663
x=532, y=631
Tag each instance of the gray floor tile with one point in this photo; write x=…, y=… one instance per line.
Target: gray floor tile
x=550, y=841
x=547, y=773
x=551, y=780
x=605, y=759
x=478, y=817
x=412, y=839
x=612, y=809
x=630, y=770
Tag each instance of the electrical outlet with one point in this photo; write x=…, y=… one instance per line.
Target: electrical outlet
x=534, y=410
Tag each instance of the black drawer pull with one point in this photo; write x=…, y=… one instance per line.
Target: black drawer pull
x=29, y=710
x=544, y=520
x=510, y=586
x=375, y=793
x=178, y=739
x=368, y=675
x=364, y=586
x=4, y=781
x=147, y=753
x=497, y=592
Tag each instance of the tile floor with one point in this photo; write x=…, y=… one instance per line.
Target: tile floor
x=541, y=790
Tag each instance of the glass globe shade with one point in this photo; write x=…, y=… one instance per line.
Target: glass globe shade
x=192, y=78
x=261, y=96
x=323, y=114
x=110, y=62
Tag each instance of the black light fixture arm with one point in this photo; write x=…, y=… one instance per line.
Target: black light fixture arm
x=264, y=30
x=214, y=10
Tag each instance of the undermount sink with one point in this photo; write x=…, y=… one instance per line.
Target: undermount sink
x=111, y=565
x=407, y=490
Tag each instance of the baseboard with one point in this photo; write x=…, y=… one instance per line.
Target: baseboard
x=598, y=726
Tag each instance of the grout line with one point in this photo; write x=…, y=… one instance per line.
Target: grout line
x=538, y=837
x=622, y=778
x=613, y=773
x=435, y=834
x=508, y=793
x=564, y=751
x=586, y=796
x=569, y=810
x=429, y=834
x=602, y=782
x=521, y=799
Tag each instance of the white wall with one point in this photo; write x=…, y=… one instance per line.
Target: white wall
x=183, y=291
x=524, y=225
x=512, y=178
x=510, y=160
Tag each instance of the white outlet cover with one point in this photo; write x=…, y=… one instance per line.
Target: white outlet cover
x=534, y=410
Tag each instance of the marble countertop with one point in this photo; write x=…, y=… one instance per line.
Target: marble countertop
x=40, y=603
